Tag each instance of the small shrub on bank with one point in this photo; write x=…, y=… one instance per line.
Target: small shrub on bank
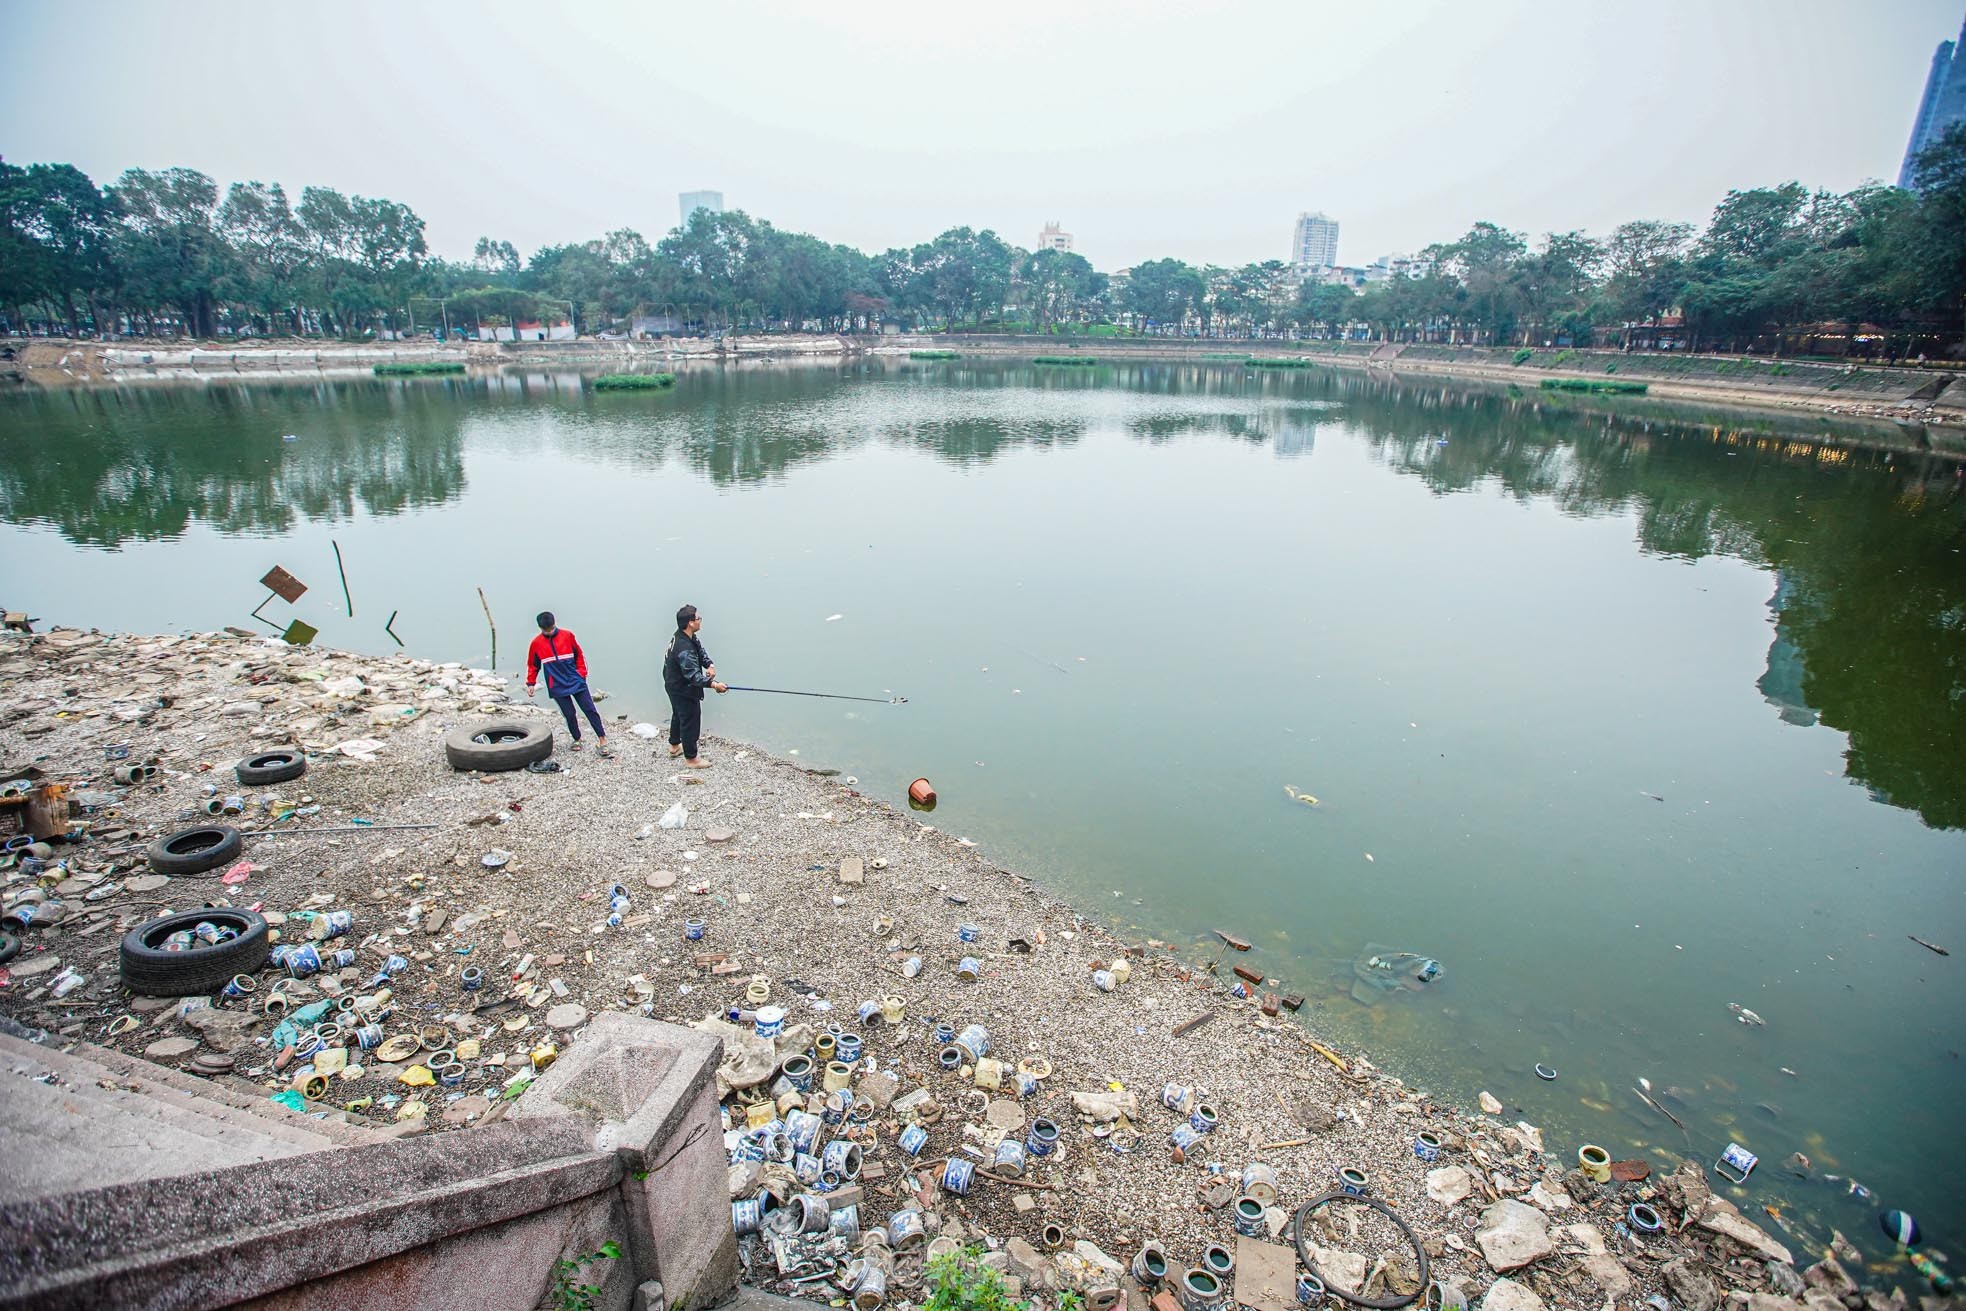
x=1523, y=356
x=634, y=381
x=1613, y=387
x=414, y=370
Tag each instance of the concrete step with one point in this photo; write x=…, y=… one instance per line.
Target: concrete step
x=235, y=1093
x=70, y=1120
x=219, y=1108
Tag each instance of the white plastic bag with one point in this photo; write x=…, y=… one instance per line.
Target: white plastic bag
x=646, y=731
x=674, y=817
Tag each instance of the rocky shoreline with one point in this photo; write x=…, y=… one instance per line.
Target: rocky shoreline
x=823, y=895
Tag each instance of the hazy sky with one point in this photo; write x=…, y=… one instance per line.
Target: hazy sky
x=1146, y=128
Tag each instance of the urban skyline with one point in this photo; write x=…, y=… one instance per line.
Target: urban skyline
x=1942, y=103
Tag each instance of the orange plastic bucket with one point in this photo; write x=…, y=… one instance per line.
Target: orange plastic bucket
x=921, y=793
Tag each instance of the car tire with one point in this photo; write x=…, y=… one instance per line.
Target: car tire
x=148, y=969
x=9, y=947
x=491, y=748
x=271, y=767
x=195, y=850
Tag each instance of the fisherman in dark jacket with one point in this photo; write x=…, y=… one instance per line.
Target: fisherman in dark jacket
x=686, y=671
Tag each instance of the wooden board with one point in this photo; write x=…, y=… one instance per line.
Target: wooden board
x=1266, y=1275
x=283, y=585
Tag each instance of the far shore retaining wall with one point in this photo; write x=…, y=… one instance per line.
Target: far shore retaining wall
x=1788, y=379
x=1930, y=395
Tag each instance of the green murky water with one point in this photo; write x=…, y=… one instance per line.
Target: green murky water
x=1621, y=713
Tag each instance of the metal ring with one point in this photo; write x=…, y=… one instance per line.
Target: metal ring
x=1304, y=1255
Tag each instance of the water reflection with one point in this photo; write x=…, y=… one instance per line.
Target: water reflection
x=1870, y=600
x=109, y=467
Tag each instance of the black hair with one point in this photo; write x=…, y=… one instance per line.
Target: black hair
x=545, y=620
x=683, y=616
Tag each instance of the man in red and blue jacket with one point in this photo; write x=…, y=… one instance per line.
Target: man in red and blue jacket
x=558, y=653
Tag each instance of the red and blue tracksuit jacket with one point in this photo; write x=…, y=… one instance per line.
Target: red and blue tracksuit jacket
x=564, y=662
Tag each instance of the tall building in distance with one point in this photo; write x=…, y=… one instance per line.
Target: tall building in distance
x=1054, y=238
x=691, y=201
x=1315, y=245
x=1942, y=105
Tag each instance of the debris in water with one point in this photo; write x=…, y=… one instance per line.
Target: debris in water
x=1744, y=1015
x=1295, y=795
x=1929, y=946
x=1655, y=796
x=832, y=618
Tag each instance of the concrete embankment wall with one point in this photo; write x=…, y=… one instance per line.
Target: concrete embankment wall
x=78, y=363
x=618, y=1141
x=1668, y=373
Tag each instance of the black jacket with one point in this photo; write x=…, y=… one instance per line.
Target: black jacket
x=685, y=669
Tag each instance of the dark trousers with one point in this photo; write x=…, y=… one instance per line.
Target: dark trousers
x=586, y=700
x=685, y=723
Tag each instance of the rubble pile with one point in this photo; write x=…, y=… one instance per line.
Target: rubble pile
x=922, y=1052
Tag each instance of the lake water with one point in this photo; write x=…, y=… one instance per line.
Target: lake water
x=1621, y=713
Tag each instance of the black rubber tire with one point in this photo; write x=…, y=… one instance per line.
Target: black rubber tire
x=9, y=947
x=514, y=746
x=271, y=767
x=195, y=850
x=148, y=969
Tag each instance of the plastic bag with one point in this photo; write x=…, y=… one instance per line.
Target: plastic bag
x=674, y=817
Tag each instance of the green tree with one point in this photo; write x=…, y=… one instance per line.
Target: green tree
x=169, y=252
x=1645, y=264
x=1328, y=305
x=1486, y=263
x=495, y=258
x=1163, y=292
x=268, y=248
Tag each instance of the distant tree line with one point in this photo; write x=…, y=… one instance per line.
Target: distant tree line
x=165, y=253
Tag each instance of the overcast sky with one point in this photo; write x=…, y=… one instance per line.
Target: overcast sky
x=1146, y=128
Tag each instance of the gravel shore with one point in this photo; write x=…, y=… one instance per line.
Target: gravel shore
x=760, y=863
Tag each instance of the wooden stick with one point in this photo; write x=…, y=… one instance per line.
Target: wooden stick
x=344, y=577
x=1331, y=1056
x=1929, y=946
x=1021, y=1183
x=494, y=627
x=1288, y=1142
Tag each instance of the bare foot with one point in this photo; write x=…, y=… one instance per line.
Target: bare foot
x=697, y=764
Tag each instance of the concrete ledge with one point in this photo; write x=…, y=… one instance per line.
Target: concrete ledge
x=647, y=1092
x=216, y=1238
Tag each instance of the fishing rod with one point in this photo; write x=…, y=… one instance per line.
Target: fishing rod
x=834, y=696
